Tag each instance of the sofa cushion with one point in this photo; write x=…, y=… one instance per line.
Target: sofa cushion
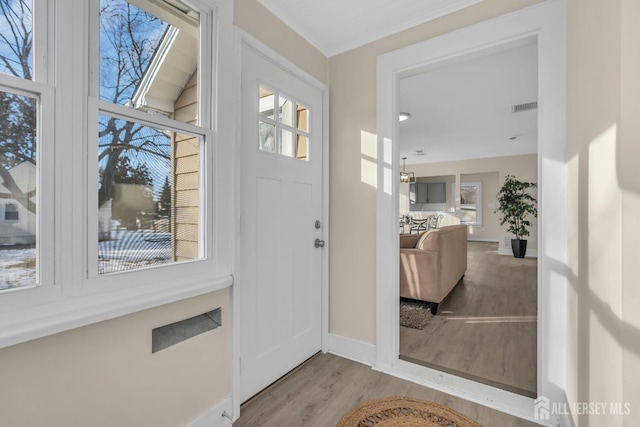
x=409, y=240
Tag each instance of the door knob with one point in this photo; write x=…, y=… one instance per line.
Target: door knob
x=319, y=243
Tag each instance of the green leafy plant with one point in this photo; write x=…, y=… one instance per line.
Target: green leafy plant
x=516, y=204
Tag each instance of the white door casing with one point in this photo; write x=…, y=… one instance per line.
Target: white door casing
x=546, y=23
x=280, y=202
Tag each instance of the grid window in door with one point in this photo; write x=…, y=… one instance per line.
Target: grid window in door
x=283, y=126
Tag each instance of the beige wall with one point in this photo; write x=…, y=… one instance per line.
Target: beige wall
x=105, y=374
x=484, y=170
x=603, y=354
x=353, y=199
x=256, y=20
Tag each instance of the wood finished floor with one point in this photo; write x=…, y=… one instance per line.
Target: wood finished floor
x=325, y=388
x=486, y=328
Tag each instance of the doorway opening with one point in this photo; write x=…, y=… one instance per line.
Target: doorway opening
x=545, y=23
x=465, y=134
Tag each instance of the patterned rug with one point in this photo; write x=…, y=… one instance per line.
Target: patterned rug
x=414, y=314
x=404, y=412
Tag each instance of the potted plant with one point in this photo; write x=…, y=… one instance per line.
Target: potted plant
x=516, y=204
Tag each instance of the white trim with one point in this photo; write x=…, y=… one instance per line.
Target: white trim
x=214, y=417
x=245, y=40
x=139, y=98
x=482, y=239
x=546, y=22
x=531, y=253
x=358, y=351
x=69, y=313
x=510, y=403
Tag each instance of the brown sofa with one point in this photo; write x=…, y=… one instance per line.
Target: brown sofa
x=432, y=263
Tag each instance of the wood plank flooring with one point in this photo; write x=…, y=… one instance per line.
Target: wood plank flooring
x=321, y=391
x=486, y=328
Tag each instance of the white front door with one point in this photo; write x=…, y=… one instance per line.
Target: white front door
x=281, y=207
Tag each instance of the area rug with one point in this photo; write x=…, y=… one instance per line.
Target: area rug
x=414, y=314
x=404, y=412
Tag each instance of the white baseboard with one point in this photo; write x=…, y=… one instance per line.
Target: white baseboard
x=531, y=253
x=213, y=416
x=482, y=239
x=351, y=349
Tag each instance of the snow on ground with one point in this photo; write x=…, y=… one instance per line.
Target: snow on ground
x=134, y=249
x=17, y=267
x=128, y=251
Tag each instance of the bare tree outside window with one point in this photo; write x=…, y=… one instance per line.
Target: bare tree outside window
x=18, y=148
x=136, y=162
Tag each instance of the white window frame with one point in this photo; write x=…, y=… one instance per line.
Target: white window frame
x=478, y=205
x=67, y=296
x=40, y=87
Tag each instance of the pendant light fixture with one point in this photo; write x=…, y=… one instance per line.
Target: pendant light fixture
x=405, y=176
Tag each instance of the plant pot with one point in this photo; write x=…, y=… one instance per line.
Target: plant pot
x=519, y=248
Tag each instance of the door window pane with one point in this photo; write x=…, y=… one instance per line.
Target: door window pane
x=286, y=138
x=286, y=111
x=149, y=57
x=266, y=102
x=285, y=133
x=302, y=118
x=18, y=190
x=148, y=196
x=302, y=147
x=16, y=38
x=267, y=137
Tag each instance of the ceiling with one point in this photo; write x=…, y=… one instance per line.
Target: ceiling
x=336, y=26
x=463, y=110
x=460, y=110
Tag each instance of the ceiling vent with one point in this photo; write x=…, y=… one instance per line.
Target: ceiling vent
x=518, y=108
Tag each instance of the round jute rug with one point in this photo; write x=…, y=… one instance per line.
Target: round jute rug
x=404, y=412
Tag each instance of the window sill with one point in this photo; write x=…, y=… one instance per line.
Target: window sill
x=74, y=312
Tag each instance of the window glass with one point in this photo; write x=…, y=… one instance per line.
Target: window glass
x=285, y=133
x=148, y=57
x=286, y=111
x=18, y=182
x=470, y=203
x=16, y=38
x=266, y=103
x=148, y=196
x=148, y=173
x=267, y=137
x=286, y=142
x=302, y=147
x=302, y=118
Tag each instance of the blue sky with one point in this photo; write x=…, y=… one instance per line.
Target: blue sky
x=5, y=49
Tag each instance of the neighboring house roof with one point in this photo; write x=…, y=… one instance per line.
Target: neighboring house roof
x=173, y=64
